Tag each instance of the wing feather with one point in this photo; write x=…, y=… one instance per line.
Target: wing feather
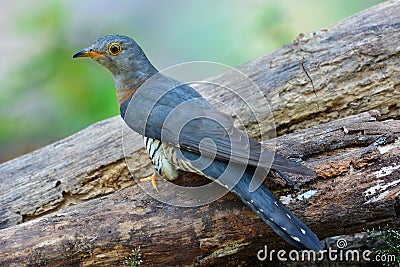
x=163, y=107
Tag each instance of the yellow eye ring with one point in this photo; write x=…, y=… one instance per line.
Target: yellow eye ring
x=114, y=49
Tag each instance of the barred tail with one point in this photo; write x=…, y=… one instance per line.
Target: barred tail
x=276, y=215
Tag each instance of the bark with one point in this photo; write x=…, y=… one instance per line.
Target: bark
x=344, y=70
x=357, y=161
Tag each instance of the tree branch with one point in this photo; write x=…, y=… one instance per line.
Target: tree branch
x=344, y=70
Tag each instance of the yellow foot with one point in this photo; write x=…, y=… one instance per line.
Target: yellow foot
x=153, y=178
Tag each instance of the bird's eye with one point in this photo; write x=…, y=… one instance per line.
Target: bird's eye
x=114, y=49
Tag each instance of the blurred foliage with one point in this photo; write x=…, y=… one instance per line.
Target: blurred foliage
x=51, y=96
x=47, y=99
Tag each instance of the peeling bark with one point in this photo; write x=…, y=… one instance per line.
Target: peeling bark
x=74, y=202
x=357, y=187
x=348, y=68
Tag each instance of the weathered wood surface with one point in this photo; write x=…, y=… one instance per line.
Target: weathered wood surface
x=348, y=68
x=353, y=66
x=357, y=161
x=86, y=165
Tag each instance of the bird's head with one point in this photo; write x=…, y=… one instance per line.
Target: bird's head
x=120, y=54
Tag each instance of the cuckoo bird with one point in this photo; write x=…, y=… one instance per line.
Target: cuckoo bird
x=173, y=117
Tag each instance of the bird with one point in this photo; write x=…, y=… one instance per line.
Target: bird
x=179, y=126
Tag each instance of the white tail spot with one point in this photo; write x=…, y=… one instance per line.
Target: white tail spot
x=295, y=238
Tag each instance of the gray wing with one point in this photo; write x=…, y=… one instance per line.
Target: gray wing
x=163, y=107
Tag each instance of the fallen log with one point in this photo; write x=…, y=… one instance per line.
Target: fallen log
x=344, y=70
x=328, y=74
x=357, y=187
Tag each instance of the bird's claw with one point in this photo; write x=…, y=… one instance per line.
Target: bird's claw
x=153, y=178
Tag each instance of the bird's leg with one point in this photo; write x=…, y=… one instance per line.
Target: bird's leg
x=287, y=179
x=153, y=178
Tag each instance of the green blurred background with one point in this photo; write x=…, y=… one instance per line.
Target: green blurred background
x=45, y=95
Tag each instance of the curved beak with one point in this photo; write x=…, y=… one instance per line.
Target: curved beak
x=88, y=52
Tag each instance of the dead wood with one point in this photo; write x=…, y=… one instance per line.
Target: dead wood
x=344, y=70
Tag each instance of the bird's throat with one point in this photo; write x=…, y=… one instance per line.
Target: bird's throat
x=127, y=85
x=127, y=88
x=124, y=94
